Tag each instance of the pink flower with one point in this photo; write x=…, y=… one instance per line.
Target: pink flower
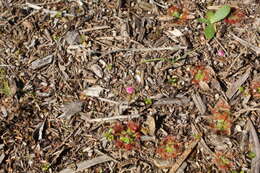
x=221, y=53
x=130, y=90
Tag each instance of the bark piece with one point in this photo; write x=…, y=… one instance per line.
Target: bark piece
x=235, y=86
x=39, y=63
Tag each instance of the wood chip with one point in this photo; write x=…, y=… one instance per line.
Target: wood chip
x=2, y=157
x=72, y=37
x=247, y=44
x=199, y=103
x=235, y=86
x=97, y=70
x=71, y=109
x=151, y=125
x=256, y=161
x=39, y=63
x=87, y=164
x=39, y=130
x=4, y=111
x=175, y=101
x=93, y=91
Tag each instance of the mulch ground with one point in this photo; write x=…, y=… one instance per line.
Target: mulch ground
x=75, y=73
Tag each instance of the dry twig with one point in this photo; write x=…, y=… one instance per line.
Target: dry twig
x=256, y=161
x=114, y=118
x=247, y=44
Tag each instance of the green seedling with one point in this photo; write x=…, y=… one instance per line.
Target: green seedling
x=148, y=101
x=212, y=18
x=173, y=80
x=4, y=84
x=251, y=155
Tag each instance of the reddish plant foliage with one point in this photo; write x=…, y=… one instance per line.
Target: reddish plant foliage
x=177, y=12
x=125, y=136
x=236, y=16
x=255, y=89
x=200, y=73
x=223, y=161
x=118, y=127
x=169, y=148
x=133, y=126
x=222, y=118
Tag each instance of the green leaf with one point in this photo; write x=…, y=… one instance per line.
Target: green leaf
x=176, y=14
x=251, y=155
x=203, y=20
x=209, y=31
x=209, y=14
x=148, y=101
x=220, y=14
x=126, y=140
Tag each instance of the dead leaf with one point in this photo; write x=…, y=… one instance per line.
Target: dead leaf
x=41, y=62
x=93, y=91
x=39, y=131
x=97, y=70
x=71, y=109
x=199, y=103
x=151, y=125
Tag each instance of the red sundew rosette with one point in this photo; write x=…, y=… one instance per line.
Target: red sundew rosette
x=174, y=11
x=180, y=14
x=118, y=128
x=200, y=73
x=223, y=161
x=236, y=16
x=131, y=131
x=169, y=141
x=133, y=126
x=221, y=114
x=225, y=117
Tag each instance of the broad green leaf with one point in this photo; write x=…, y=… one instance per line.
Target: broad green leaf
x=251, y=155
x=209, y=31
x=209, y=14
x=220, y=14
x=203, y=20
